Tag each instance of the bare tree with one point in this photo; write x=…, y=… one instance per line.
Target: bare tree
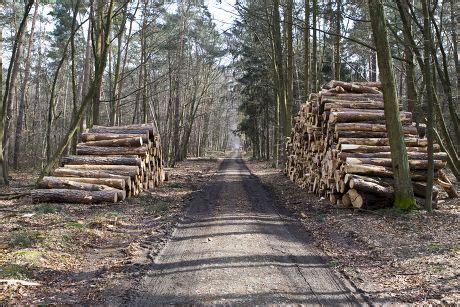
x=404, y=195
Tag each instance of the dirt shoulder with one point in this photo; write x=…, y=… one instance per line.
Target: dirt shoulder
x=70, y=253
x=411, y=258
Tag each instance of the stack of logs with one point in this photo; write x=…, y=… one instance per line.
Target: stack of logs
x=339, y=148
x=112, y=163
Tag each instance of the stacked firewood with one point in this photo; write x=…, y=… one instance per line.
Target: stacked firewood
x=339, y=148
x=111, y=163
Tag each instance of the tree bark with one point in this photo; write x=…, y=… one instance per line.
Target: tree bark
x=49, y=181
x=6, y=99
x=404, y=195
x=427, y=73
x=74, y=196
x=307, y=50
x=23, y=92
x=289, y=68
x=104, y=160
x=314, y=59
x=337, y=52
x=177, y=85
x=92, y=91
x=93, y=150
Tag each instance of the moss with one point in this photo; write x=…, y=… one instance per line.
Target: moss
x=24, y=238
x=12, y=270
x=45, y=208
x=157, y=207
x=175, y=185
x=74, y=224
x=434, y=247
x=406, y=203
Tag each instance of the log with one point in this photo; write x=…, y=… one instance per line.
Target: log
x=445, y=183
x=349, y=97
x=371, y=127
x=128, y=129
x=74, y=196
x=346, y=201
x=122, y=142
x=383, y=186
x=68, y=172
x=411, y=155
x=411, y=142
x=379, y=171
x=368, y=117
x=339, y=104
x=68, y=183
x=125, y=170
x=361, y=200
x=360, y=134
x=112, y=151
x=372, y=149
x=118, y=184
x=413, y=164
x=107, y=160
x=88, y=137
x=353, y=87
x=338, y=134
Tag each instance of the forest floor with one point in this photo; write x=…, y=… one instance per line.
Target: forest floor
x=389, y=256
x=193, y=233
x=70, y=253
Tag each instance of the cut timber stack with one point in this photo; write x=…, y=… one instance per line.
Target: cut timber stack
x=339, y=148
x=112, y=163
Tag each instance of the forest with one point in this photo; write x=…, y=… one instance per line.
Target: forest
x=169, y=64
x=315, y=141
x=68, y=65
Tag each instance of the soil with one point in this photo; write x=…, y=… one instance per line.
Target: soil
x=71, y=253
x=390, y=256
x=219, y=232
x=235, y=247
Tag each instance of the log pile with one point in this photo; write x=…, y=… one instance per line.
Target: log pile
x=339, y=148
x=111, y=163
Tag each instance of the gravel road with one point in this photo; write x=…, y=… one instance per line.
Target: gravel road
x=235, y=247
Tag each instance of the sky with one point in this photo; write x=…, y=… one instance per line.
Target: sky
x=222, y=12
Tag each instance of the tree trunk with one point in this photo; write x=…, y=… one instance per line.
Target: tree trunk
x=307, y=50
x=23, y=92
x=289, y=69
x=6, y=101
x=92, y=91
x=337, y=53
x=86, y=74
x=103, y=160
x=105, y=151
x=279, y=79
x=314, y=59
x=404, y=195
x=455, y=18
x=177, y=102
x=411, y=90
x=74, y=196
x=49, y=182
x=427, y=73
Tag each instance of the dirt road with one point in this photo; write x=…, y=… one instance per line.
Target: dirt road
x=234, y=246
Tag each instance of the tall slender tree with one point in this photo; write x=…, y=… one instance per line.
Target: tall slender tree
x=307, y=50
x=289, y=68
x=404, y=195
x=9, y=87
x=428, y=71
